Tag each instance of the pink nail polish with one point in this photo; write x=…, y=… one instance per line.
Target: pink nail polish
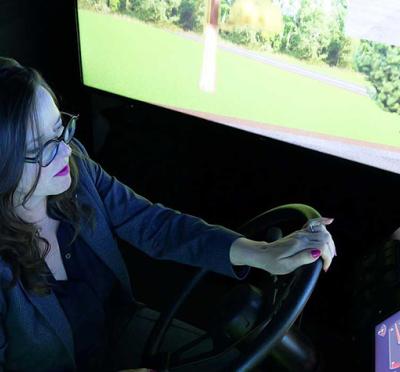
x=315, y=253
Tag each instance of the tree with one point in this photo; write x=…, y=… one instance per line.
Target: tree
x=149, y=10
x=381, y=64
x=340, y=48
x=313, y=34
x=191, y=15
x=251, y=22
x=260, y=15
x=309, y=32
x=225, y=10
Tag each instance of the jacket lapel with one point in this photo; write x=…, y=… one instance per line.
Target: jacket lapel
x=52, y=311
x=103, y=244
x=101, y=241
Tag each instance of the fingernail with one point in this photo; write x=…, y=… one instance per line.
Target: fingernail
x=315, y=253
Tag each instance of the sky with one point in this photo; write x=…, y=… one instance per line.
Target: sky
x=376, y=20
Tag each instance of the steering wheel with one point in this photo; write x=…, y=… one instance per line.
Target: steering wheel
x=264, y=326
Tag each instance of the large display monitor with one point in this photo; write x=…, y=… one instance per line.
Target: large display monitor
x=321, y=74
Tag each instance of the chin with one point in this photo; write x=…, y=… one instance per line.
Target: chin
x=63, y=185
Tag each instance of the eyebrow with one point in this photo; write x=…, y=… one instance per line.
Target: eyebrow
x=39, y=138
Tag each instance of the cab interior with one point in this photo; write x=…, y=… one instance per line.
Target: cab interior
x=227, y=176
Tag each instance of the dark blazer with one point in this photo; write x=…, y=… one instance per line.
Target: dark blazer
x=35, y=334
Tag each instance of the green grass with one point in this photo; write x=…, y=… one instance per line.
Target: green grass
x=137, y=60
x=337, y=72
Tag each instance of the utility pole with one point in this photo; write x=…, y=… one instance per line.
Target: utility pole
x=208, y=70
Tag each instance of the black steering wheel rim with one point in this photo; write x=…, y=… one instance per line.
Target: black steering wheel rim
x=305, y=280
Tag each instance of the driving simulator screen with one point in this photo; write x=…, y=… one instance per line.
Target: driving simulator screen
x=321, y=74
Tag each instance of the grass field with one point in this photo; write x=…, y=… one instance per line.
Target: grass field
x=133, y=59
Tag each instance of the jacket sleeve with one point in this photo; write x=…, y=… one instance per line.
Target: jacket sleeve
x=3, y=339
x=161, y=232
x=3, y=346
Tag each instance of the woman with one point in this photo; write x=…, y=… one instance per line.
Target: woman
x=63, y=280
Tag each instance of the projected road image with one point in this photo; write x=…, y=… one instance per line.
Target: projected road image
x=324, y=108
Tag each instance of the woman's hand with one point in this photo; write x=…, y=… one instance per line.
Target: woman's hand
x=288, y=253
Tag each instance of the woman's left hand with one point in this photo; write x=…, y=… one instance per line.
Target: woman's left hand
x=288, y=253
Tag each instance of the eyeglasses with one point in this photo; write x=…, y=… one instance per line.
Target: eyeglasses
x=50, y=149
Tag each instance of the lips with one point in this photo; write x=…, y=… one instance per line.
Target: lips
x=62, y=170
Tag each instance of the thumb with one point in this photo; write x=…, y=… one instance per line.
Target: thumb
x=327, y=220
x=304, y=257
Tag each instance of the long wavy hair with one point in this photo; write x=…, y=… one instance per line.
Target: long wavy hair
x=20, y=240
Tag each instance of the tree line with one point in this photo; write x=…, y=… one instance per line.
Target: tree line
x=309, y=33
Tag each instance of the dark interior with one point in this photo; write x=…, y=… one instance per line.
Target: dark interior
x=225, y=176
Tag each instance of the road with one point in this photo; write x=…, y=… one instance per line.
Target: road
x=286, y=66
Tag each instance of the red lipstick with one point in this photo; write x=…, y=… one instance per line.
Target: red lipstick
x=63, y=172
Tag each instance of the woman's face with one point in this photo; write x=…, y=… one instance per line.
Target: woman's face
x=50, y=127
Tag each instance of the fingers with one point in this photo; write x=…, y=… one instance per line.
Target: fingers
x=330, y=243
x=327, y=249
x=318, y=224
x=305, y=245
x=304, y=257
x=313, y=224
x=327, y=258
x=331, y=246
x=300, y=240
x=300, y=248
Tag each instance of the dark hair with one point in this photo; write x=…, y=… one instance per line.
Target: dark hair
x=19, y=240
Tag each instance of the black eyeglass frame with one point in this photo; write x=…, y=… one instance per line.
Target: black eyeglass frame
x=38, y=157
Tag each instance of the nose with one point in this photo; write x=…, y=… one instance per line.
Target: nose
x=64, y=149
